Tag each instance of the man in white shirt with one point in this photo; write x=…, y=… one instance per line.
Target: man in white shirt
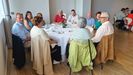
x=72, y=19
x=105, y=29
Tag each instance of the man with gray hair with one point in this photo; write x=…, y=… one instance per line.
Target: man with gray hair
x=103, y=40
x=105, y=29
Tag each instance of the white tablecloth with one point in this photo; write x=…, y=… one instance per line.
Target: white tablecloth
x=61, y=35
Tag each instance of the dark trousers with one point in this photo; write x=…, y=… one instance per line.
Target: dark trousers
x=67, y=50
x=95, y=44
x=120, y=24
x=56, y=53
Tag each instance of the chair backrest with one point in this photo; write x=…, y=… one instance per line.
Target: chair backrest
x=115, y=18
x=105, y=49
x=41, y=47
x=41, y=55
x=129, y=20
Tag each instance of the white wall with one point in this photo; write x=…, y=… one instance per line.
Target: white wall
x=49, y=8
x=111, y=6
x=65, y=5
x=86, y=7
x=81, y=6
x=3, y=50
x=34, y=6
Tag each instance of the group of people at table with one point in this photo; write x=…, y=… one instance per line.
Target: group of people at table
x=81, y=40
x=124, y=19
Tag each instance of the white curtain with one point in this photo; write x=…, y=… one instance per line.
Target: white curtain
x=7, y=23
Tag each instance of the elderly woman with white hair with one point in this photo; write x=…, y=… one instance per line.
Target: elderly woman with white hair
x=79, y=54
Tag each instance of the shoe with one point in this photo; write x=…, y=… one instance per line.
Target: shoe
x=56, y=62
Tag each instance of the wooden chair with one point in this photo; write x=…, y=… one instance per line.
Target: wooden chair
x=90, y=56
x=41, y=56
x=105, y=50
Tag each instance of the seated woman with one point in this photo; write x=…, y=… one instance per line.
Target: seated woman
x=40, y=48
x=59, y=18
x=19, y=36
x=80, y=48
x=28, y=20
x=40, y=15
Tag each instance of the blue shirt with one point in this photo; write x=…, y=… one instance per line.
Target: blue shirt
x=91, y=22
x=18, y=29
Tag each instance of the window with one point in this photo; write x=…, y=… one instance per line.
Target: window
x=1, y=9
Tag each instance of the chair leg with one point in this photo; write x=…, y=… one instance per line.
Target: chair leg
x=70, y=71
x=69, y=68
x=91, y=72
x=101, y=66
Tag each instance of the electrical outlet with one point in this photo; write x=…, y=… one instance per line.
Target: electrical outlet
x=12, y=13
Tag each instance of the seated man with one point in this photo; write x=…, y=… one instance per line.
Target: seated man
x=90, y=20
x=19, y=35
x=60, y=17
x=72, y=19
x=105, y=29
x=90, y=23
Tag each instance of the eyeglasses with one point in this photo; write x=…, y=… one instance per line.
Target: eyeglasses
x=102, y=17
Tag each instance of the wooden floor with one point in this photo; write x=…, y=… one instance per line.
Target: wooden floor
x=123, y=65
